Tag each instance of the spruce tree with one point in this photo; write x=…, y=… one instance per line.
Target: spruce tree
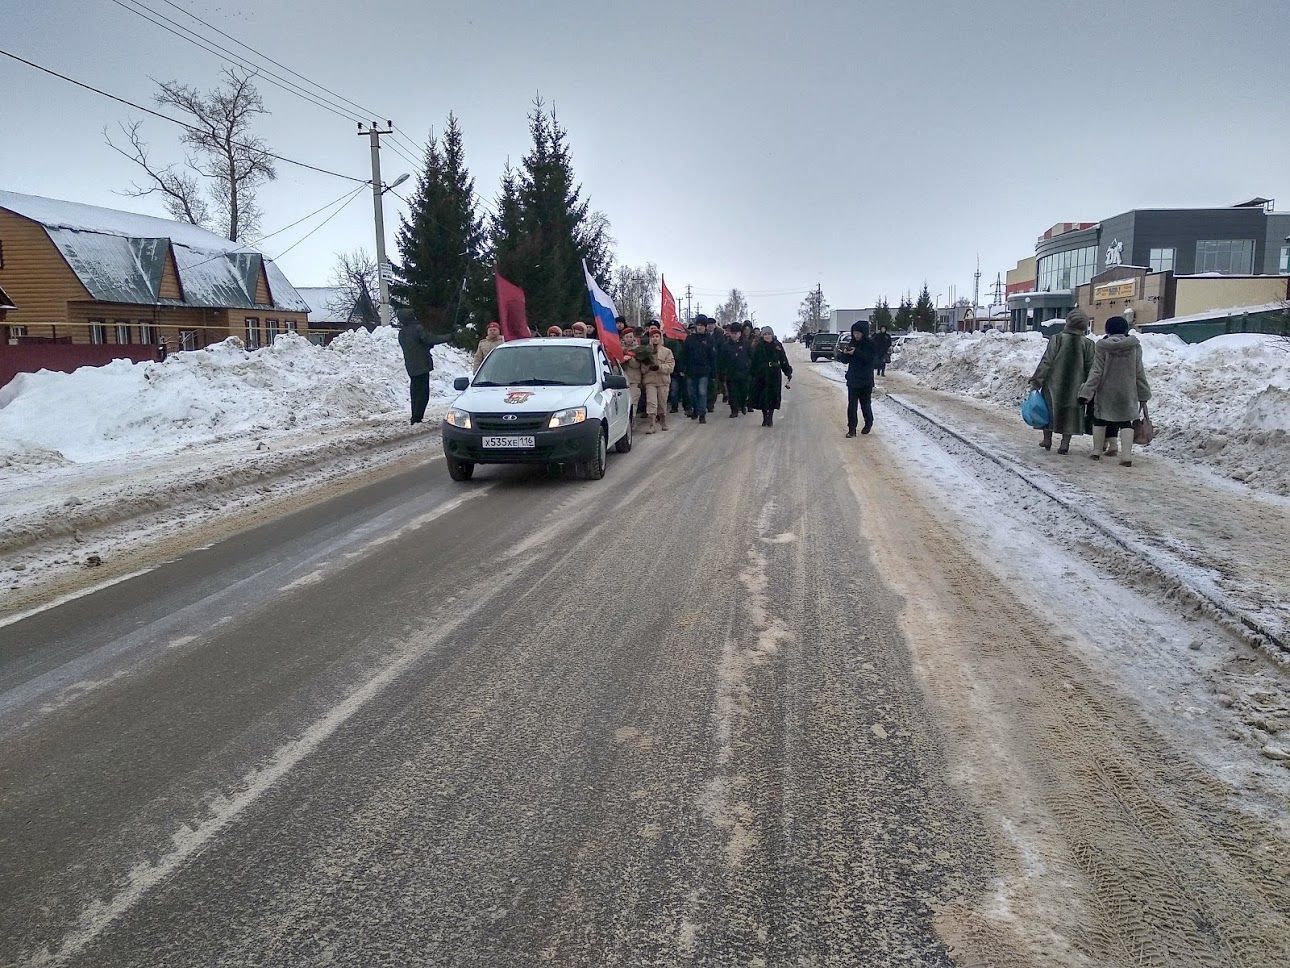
x=441, y=243
x=925, y=312
x=544, y=228
x=881, y=318
x=905, y=315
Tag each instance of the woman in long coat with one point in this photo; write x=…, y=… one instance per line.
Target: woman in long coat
x=1063, y=369
x=1118, y=387
x=768, y=361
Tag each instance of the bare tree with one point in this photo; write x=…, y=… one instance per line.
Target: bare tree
x=733, y=310
x=222, y=150
x=354, y=274
x=634, y=290
x=812, y=313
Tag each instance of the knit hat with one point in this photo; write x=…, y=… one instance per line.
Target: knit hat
x=1117, y=326
x=767, y=331
x=860, y=326
x=1077, y=319
x=554, y=331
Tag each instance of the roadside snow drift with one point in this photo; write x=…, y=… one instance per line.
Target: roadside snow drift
x=1223, y=403
x=202, y=397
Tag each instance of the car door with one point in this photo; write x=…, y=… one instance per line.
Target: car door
x=616, y=401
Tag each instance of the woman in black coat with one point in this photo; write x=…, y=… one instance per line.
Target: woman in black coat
x=768, y=361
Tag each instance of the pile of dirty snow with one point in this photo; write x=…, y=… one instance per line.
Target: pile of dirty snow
x=210, y=395
x=1224, y=403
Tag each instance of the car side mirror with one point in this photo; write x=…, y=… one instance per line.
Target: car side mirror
x=461, y=383
x=615, y=381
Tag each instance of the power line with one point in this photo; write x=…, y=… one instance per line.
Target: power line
x=358, y=191
x=166, y=117
x=305, y=218
x=223, y=53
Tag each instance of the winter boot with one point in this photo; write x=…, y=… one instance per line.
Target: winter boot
x=652, y=425
x=851, y=431
x=1126, y=447
x=770, y=418
x=662, y=421
x=703, y=417
x=1099, y=442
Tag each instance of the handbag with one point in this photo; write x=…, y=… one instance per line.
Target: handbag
x=1143, y=430
x=1034, y=411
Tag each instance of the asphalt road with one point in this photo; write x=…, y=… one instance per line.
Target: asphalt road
x=661, y=718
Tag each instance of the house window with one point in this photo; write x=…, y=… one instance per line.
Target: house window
x=1, y=254
x=1162, y=260
x=1232, y=257
x=123, y=335
x=187, y=339
x=291, y=325
x=147, y=333
x=252, y=333
x=271, y=330
x=1285, y=260
x=17, y=332
x=98, y=332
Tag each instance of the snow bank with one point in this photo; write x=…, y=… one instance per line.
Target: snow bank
x=195, y=398
x=1224, y=403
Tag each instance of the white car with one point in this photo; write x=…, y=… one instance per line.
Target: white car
x=540, y=401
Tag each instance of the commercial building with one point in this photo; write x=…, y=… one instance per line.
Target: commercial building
x=1090, y=264
x=80, y=274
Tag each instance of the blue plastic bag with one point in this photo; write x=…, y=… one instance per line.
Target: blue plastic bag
x=1034, y=411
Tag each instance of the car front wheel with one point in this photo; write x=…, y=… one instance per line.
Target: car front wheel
x=593, y=468
x=460, y=470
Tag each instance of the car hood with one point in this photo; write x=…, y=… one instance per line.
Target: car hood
x=523, y=399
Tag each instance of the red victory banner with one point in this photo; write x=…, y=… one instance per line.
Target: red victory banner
x=510, y=309
x=672, y=327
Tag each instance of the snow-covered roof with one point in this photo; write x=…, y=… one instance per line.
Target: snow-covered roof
x=327, y=304
x=1271, y=307
x=120, y=257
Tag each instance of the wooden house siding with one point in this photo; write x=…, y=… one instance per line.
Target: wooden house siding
x=170, y=279
x=35, y=275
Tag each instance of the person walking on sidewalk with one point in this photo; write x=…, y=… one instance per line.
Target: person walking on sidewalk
x=657, y=377
x=490, y=342
x=1117, y=385
x=1061, y=372
x=417, y=344
x=697, y=358
x=768, y=361
x=862, y=357
x=882, y=344
x=632, y=367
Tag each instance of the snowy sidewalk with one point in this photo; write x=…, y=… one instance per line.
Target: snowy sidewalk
x=1225, y=534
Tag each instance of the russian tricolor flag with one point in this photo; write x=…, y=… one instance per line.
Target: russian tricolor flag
x=605, y=315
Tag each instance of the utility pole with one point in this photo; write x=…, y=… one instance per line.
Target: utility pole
x=383, y=271
x=976, y=285
x=688, y=315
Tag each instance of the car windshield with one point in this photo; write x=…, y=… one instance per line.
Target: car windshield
x=537, y=366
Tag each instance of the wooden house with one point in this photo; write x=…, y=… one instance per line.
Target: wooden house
x=83, y=274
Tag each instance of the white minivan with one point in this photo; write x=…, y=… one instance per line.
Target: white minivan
x=540, y=401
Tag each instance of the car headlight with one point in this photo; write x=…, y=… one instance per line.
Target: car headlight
x=458, y=418
x=567, y=418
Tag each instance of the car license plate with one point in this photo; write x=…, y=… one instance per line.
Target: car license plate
x=509, y=442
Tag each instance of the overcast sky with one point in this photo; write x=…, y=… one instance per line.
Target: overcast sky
x=867, y=146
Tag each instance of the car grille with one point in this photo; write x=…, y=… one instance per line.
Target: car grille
x=523, y=422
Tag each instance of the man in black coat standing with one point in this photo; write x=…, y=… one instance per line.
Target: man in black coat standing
x=417, y=343
x=861, y=357
x=736, y=361
x=698, y=362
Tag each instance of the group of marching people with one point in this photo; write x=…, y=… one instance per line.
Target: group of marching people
x=739, y=365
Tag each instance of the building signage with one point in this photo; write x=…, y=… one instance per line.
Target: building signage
x=1122, y=289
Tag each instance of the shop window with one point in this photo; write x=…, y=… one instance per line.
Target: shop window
x=252, y=335
x=1162, y=260
x=98, y=332
x=1233, y=257
x=122, y=332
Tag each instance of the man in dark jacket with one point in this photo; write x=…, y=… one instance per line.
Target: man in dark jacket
x=416, y=344
x=861, y=357
x=882, y=346
x=736, y=361
x=697, y=361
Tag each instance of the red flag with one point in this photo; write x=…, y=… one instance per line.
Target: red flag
x=672, y=327
x=510, y=309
